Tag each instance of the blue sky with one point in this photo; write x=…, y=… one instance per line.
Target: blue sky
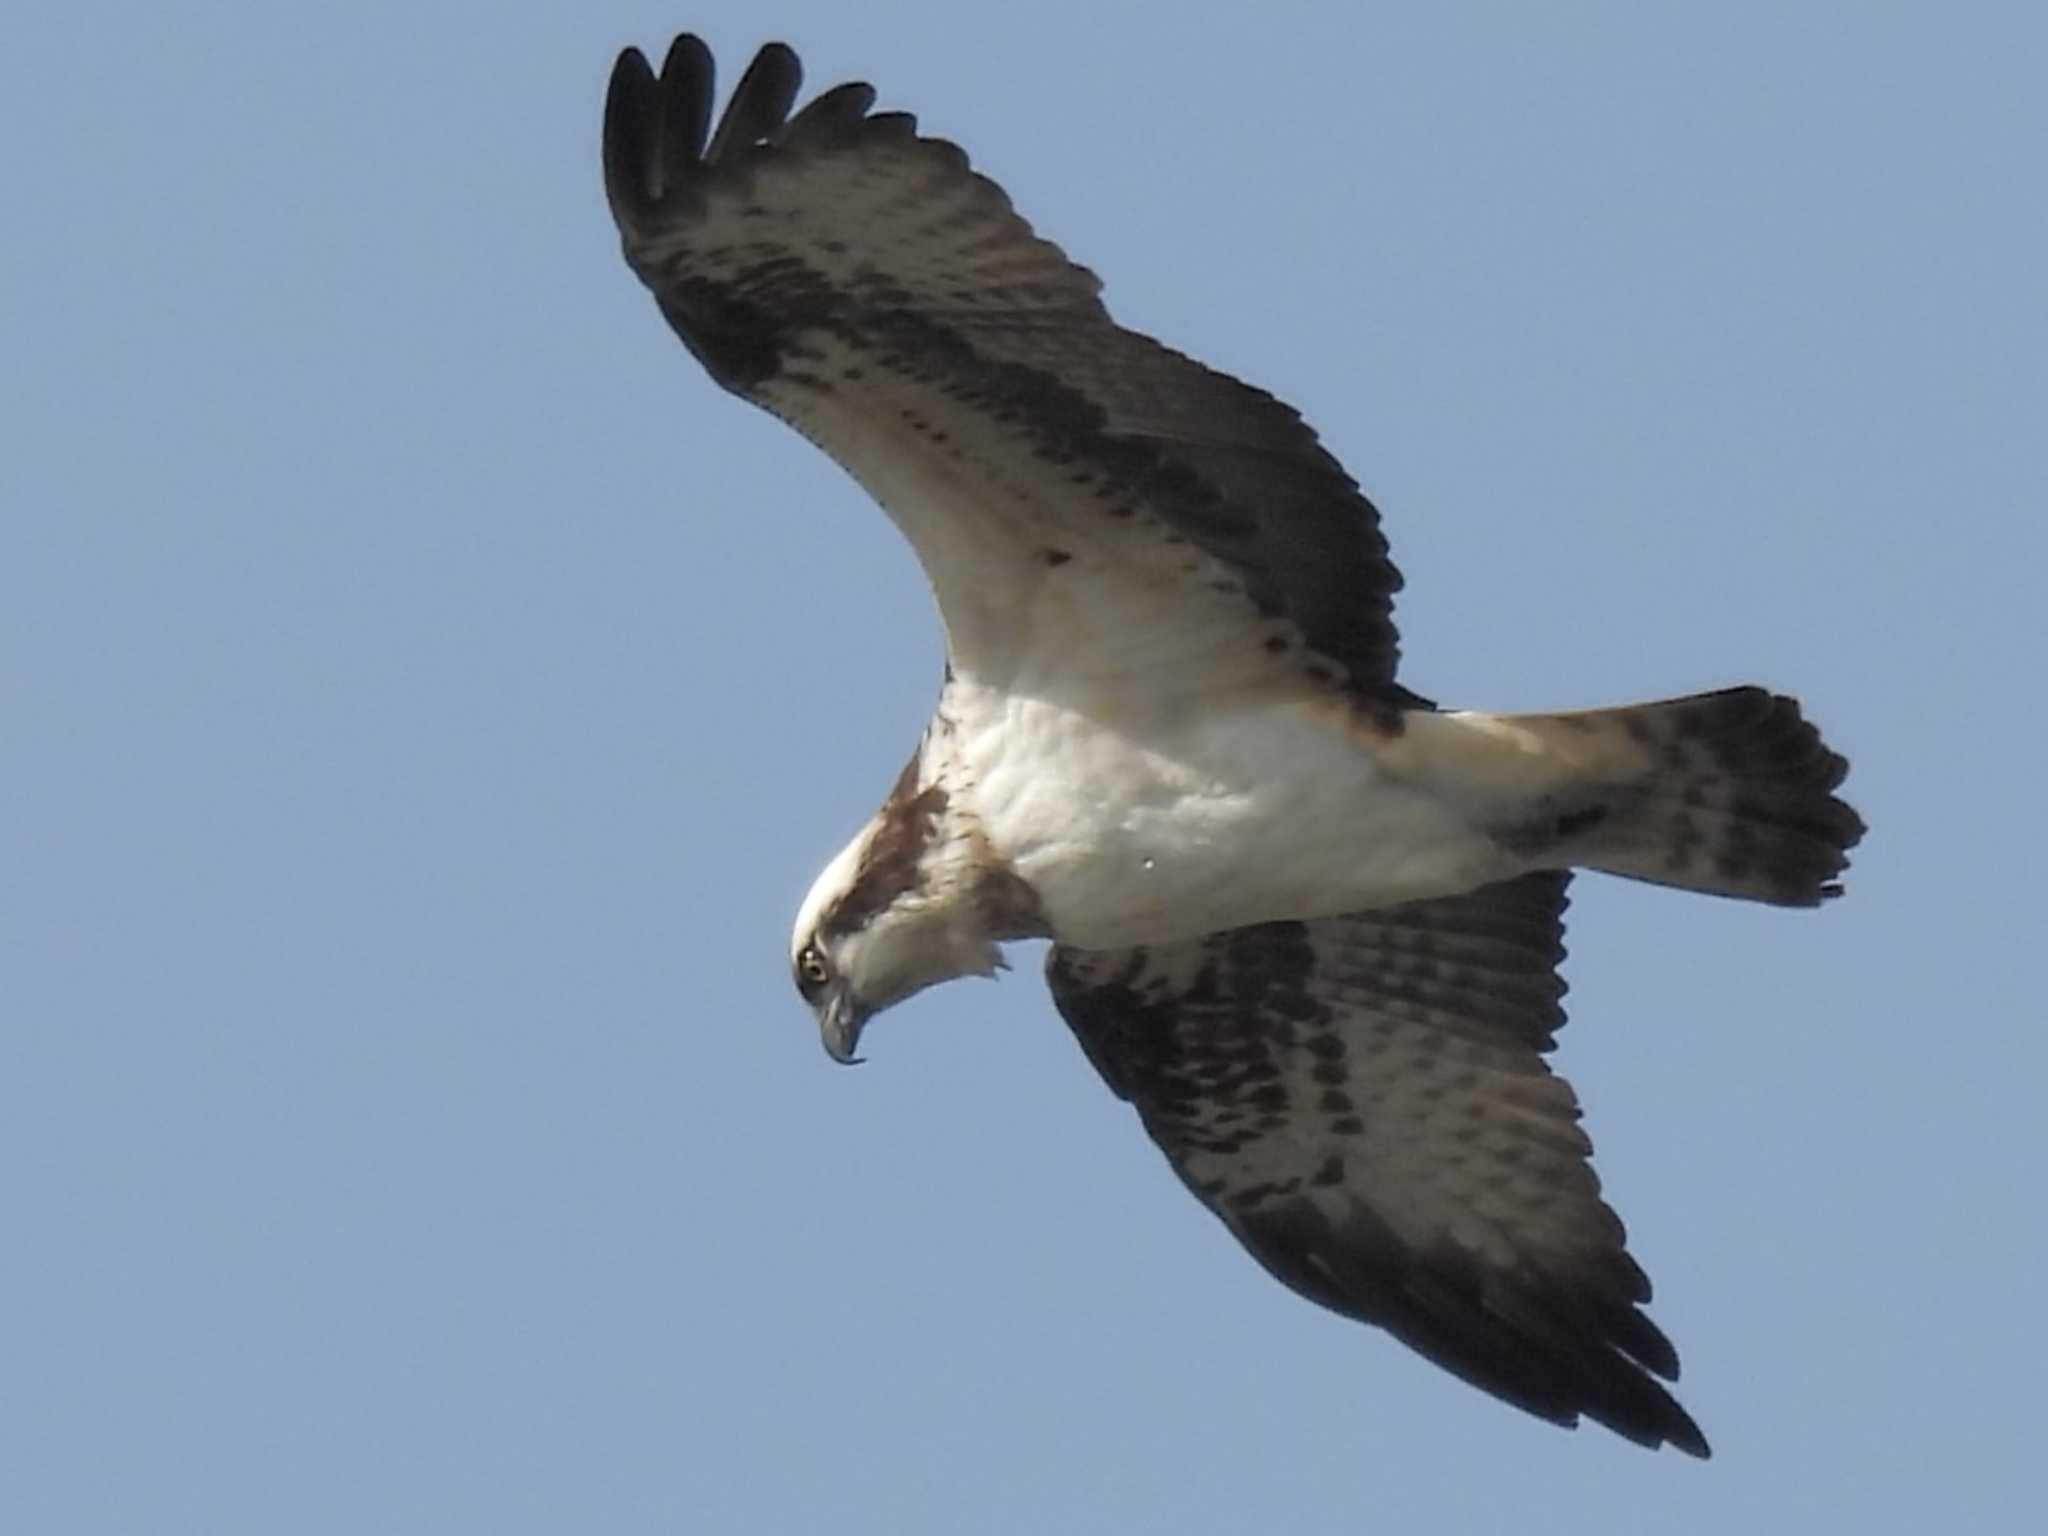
x=426, y=698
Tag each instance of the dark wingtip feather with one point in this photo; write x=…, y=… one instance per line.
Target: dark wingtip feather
x=760, y=102
x=629, y=126
x=1686, y=1436
x=689, y=81
x=1562, y=1357
x=831, y=119
x=656, y=126
x=1656, y=1421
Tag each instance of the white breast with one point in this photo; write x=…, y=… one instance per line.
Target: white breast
x=1146, y=821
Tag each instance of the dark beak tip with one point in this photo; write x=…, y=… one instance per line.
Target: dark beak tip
x=840, y=1024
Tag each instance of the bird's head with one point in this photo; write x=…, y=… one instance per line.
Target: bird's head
x=895, y=912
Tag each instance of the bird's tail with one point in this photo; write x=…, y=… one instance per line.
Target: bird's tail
x=1730, y=793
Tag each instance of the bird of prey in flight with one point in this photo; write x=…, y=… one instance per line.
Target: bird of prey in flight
x=1303, y=919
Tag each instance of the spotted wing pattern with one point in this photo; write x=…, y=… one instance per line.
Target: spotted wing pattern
x=1363, y=1101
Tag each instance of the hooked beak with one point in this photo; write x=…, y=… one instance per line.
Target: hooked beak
x=840, y=1022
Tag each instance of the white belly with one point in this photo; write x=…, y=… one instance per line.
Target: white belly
x=1169, y=820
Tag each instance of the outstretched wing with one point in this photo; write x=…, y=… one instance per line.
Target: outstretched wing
x=1363, y=1101
x=1058, y=476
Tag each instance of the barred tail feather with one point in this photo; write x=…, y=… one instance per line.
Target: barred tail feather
x=1730, y=793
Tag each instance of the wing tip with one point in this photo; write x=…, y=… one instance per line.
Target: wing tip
x=760, y=103
x=658, y=134
x=628, y=136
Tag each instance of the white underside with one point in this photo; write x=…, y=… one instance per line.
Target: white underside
x=1157, y=828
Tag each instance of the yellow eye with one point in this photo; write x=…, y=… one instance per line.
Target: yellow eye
x=810, y=965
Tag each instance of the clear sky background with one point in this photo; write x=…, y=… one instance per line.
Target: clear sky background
x=426, y=698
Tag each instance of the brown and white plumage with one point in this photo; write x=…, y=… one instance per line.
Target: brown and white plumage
x=834, y=264
x=1387, y=1140
x=1304, y=921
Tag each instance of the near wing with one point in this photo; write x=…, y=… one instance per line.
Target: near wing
x=1363, y=1101
x=865, y=285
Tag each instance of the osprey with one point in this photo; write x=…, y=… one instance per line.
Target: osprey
x=1304, y=920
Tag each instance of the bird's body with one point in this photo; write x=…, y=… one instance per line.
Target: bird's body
x=1140, y=818
x=1305, y=921
x=1144, y=821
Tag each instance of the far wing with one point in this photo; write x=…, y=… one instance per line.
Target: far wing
x=1364, y=1103
x=1048, y=466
